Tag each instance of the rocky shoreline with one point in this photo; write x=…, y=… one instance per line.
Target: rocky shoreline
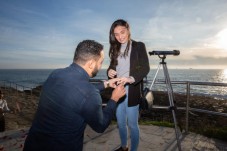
x=23, y=106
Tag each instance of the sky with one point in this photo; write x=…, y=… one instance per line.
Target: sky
x=43, y=34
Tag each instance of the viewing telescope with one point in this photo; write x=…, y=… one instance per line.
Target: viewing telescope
x=165, y=52
x=162, y=55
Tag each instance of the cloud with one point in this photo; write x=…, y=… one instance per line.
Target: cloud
x=49, y=31
x=175, y=25
x=210, y=60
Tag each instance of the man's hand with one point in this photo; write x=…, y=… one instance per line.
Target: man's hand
x=112, y=83
x=118, y=92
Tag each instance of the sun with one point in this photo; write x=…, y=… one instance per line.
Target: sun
x=224, y=75
x=225, y=72
x=222, y=37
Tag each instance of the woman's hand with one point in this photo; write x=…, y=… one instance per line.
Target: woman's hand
x=112, y=73
x=125, y=80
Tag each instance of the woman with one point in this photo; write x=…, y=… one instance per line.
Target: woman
x=128, y=61
x=3, y=108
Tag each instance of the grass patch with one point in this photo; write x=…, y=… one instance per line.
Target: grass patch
x=219, y=133
x=149, y=122
x=157, y=123
x=213, y=132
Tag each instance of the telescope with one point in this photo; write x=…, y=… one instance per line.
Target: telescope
x=162, y=55
x=165, y=52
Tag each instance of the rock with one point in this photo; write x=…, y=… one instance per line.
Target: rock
x=23, y=107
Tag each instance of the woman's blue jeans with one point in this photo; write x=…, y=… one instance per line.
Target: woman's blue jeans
x=128, y=115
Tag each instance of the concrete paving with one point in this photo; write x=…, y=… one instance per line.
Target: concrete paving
x=152, y=138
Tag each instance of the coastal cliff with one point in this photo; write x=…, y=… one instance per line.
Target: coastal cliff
x=23, y=106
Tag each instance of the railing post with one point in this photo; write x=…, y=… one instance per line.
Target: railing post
x=16, y=90
x=5, y=85
x=187, y=107
x=22, y=94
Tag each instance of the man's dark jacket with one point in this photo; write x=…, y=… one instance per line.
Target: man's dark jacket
x=67, y=103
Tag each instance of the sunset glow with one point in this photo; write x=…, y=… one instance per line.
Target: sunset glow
x=222, y=39
x=225, y=72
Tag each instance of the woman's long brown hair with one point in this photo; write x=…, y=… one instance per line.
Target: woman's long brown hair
x=115, y=46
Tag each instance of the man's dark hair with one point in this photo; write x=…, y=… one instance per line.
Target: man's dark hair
x=87, y=50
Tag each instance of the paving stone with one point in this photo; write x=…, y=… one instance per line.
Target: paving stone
x=152, y=138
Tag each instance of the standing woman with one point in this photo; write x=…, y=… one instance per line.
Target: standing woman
x=3, y=108
x=128, y=61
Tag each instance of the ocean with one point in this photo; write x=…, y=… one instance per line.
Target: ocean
x=30, y=78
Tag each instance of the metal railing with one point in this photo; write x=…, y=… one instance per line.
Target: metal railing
x=188, y=94
x=17, y=87
x=17, y=94
x=8, y=84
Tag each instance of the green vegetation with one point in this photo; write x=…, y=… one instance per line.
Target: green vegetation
x=148, y=122
x=157, y=123
x=213, y=132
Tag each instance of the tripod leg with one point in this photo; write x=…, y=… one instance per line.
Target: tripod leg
x=155, y=76
x=172, y=107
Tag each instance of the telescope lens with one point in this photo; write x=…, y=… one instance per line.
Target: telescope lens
x=176, y=52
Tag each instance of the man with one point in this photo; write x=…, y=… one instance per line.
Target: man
x=68, y=102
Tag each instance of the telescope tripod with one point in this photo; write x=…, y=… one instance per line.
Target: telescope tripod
x=172, y=107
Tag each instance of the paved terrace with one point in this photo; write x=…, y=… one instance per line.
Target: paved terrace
x=152, y=138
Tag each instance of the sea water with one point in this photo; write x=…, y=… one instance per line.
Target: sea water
x=31, y=78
